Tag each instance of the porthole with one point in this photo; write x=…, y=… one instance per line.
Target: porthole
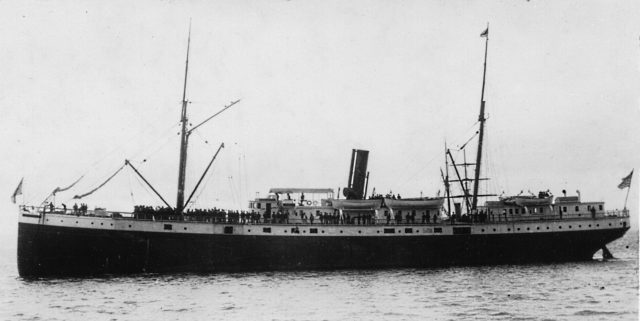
x=341, y=232
x=76, y=222
x=359, y=232
x=61, y=221
x=285, y=231
x=92, y=223
x=494, y=230
x=303, y=231
x=527, y=228
x=378, y=232
x=518, y=229
x=579, y=226
x=47, y=220
x=538, y=228
x=508, y=230
x=111, y=224
x=482, y=230
x=569, y=226
x=186, y=229
x=399, y=231
x=609, y=224
x=589, y=225
x=560, y=227
x=322, y=231
x=101, y=223
x=597, y=225
x=547, y=227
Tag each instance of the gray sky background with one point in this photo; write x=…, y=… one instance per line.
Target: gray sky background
x=86, y=85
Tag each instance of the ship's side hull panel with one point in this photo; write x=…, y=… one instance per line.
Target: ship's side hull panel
x=55, y=250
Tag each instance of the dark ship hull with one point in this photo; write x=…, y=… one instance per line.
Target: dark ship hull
x=46, y=250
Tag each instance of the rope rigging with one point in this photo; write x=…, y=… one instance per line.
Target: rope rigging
x=77, y=197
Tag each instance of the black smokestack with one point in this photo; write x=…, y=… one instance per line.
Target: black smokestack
x=357, y=174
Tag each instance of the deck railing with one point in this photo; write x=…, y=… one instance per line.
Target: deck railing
x=295, y=220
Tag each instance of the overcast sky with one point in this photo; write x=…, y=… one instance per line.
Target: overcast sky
x=86, y=85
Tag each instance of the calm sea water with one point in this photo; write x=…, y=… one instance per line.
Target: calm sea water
x=593, y=290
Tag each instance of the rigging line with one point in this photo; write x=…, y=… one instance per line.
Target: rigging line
x=127, y=141
x=233, y=192
x=467, y=142
x=163, y=138
x=205, y=184
x=414, y=174
x=133, y=201
x=126, y=162
x=205, y=172
x=246, y=177
x=233, y=196
x=160, y=147
x=144, y=186
x=204, y=187
x=412, y=166
x=100, y=186
x=463, y=133
x=108, y=154
x=205, y=140
x=240, y=177
x=60, y=189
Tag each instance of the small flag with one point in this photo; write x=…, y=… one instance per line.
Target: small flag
x=626, y=182
x=485, y=33
x=17, y=192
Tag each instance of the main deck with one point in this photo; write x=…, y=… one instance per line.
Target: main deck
x=212, y=224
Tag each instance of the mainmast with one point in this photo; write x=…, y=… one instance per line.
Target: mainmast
x=184, y=138
x=481, y=119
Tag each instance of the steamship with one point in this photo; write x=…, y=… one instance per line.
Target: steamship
x=315, y=228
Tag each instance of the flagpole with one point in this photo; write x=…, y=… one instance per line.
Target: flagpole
x=628, y=189
x=627, y=197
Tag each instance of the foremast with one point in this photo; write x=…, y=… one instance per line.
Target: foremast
x=184, y=137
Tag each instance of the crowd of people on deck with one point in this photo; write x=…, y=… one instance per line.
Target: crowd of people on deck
x=388, y=195
x=480, y=217
x=216, y=215
x=410, y=217
x=77, y=209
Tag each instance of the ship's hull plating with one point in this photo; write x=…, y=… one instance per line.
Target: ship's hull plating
x=45, y=250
